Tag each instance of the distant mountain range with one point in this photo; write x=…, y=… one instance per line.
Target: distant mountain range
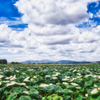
x=49, y=61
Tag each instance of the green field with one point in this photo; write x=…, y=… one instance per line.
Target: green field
x=50, y=82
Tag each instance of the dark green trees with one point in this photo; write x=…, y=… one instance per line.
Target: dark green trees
x=16, y=63
x=3, y=61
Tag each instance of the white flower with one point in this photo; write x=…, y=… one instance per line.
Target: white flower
x=17, y=71
x=65, y=83
x=78, y=87
x=35, y=77
x=75, y=70
x=94, y=76
x=54, y=78
x=21, y=84
x=65, y=79
x=14, y=77
x=94, y=91
x=95, y=86
x=26, y=92
x=86, y=76
x=30, y=70
x=72, y=79
x=44, y=85
x=99, y=88
x=0, y=83
x=99, y=76
x=74, y=84
x=47, y=76
x=1, y=76
x=79, y=74
x=50, y=84
x=5, y=81
x=57, y=73
x=26, y=79
x=54, y=75
x=12, y=83
x=79, y=77
x=31, y=79
x=9, y=77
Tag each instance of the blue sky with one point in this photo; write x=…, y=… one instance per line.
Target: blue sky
x=53, y=30
x=10, y=12
x=93, y=8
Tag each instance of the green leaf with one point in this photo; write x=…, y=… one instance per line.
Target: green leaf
x=98, y=98
x=67, y=97
x=11, y=97
x=19, y=89
x=79, y=98
x=88, y=83
x=24, y=98
x=78, y=81
x=33, y=92
x=57, y=88
x=71, y=86
x=2, y=89
x=98, y=84
x=49, y=88
x=89, y=91
x=54, y=97
x=89, y=78
x=91, y=98
x=82, y=89
x=95, y=98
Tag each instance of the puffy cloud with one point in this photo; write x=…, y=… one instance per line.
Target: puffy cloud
x=10, y=38
x=13, y=21
x=4, y=33
x=52, y=31
x=88, y=37
x=61, y=12
x=98, y=14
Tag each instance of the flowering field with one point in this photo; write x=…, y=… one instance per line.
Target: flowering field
x=50, y=82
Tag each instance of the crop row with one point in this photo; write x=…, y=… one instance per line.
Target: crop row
x=49, y=82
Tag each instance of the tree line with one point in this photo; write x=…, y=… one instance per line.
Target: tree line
x=16, y=63
x=3, y=61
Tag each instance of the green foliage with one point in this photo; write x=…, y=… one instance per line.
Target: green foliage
x=49, y=82
x=11, y=97
x=24, y=98
x=3, y=61
x=16, y=63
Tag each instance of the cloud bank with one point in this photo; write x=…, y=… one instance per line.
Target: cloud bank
x=52, y=32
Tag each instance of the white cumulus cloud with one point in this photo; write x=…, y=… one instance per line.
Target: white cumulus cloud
x=52, y=32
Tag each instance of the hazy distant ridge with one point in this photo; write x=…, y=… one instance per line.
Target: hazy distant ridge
x=49, y=61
